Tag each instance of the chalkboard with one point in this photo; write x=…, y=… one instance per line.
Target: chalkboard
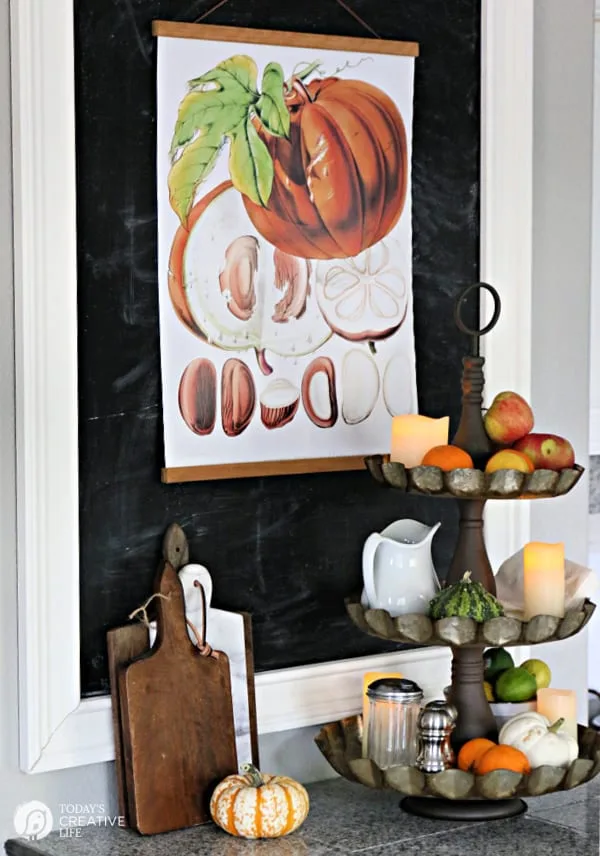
x=286, y=549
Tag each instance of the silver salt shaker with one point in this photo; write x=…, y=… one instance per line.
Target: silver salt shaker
x=436, y=724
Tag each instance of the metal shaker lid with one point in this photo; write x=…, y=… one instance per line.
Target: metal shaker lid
x=437, y=715
x=394, y=689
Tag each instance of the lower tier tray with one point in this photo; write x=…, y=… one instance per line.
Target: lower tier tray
x=341, y=744
x=506, y=632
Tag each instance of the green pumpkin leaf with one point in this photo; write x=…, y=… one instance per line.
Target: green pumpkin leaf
x=238, y=71
x=196, y=161
x=199, y=111
x=270, y=106
x=250, y=164
x=215, y=105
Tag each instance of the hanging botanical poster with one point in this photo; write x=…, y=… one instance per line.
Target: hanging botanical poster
x=285, y=249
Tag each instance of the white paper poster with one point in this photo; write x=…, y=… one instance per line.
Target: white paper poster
x=285, y=250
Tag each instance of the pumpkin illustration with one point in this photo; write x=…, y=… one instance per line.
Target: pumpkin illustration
x=258, y=805
x=340, y=179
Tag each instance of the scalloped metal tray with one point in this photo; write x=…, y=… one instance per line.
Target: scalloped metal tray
x=471, y=483
x=415, y=629
x=341, y=744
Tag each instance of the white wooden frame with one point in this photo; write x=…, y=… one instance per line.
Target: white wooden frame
x=57, y=728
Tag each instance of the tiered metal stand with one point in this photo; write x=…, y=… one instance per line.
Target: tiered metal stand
x=455, y=794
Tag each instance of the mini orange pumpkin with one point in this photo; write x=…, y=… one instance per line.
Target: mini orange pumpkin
x=257, y=805
x=503, y=758
x=472, y=751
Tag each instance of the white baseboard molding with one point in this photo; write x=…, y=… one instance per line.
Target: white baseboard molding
x=285, y=699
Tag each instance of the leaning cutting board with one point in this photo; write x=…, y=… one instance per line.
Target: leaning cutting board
x=230, y=632
x=123, y=645
x=177, y=725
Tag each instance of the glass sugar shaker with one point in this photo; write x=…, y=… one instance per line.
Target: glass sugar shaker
x=394, y=705
x=436, y=724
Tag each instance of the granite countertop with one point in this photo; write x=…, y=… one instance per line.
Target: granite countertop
x=348, y=818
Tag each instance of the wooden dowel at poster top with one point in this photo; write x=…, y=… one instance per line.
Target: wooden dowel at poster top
x=212, y=32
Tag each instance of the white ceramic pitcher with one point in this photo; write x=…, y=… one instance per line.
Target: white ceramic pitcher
x=398, y=570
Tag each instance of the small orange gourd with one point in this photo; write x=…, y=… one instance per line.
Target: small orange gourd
x=257, y=805
x=472, y=751
x=503, y=758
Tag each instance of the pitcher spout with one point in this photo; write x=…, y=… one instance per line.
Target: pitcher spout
x=429, y=537
x=411, y=533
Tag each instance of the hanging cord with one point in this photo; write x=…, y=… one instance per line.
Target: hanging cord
x=203, y=646
x=357, y=17
x=141, y=613
x=340, y=3
x=210, y=11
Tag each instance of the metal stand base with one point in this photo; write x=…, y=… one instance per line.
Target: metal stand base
x=463, y=809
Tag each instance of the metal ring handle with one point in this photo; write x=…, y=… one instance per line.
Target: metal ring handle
x=477, y=333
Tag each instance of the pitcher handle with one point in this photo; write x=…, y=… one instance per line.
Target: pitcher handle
x=368, y=562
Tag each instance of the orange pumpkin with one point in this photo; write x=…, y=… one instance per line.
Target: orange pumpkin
x=503, y=758
x=257, y=805
x=472, y=751
x=340, y=179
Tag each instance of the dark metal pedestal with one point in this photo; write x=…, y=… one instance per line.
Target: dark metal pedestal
x=469, y=810
x=475, y=717
x=470, y=553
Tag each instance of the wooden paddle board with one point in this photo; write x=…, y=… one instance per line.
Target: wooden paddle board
x=177, y=727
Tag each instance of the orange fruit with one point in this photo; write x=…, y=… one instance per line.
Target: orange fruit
x=472, y=751
x=447, y=458
x=503, y=758
x=510, y=459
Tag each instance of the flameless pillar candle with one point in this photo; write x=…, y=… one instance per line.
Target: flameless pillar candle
x=413, y=436
x=544, y=579
x=555, y=704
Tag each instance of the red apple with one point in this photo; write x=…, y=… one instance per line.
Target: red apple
x=508, y=419
x=547, y=451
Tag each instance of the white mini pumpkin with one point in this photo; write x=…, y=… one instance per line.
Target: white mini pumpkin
x=257, y=805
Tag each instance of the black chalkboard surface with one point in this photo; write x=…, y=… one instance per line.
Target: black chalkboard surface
x=287, y=549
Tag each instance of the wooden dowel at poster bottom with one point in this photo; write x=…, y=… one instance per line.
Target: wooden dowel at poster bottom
x=212, y=472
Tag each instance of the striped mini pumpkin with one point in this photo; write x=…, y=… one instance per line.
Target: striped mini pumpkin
x=257, y=805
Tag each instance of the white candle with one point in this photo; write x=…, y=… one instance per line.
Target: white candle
x=413, y=436
x=555, y=704
x=543, y=579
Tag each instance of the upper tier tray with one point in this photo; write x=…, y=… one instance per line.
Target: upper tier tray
x=471, y=483
x=458, y=632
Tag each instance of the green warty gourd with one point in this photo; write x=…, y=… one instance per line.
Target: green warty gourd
x=465, y=599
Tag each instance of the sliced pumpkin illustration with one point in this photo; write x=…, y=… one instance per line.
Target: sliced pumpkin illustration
x=234, y=290
x=365, y=297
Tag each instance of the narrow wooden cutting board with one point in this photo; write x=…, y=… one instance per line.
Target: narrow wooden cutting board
x=123, y=645
x=177, y=725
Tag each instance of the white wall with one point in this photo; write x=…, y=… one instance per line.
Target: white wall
x=563, y=71
x=89, y=784
x=561, y=261
x=595, y=300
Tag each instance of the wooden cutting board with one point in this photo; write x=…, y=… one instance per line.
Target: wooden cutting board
x=123, y=645
x=177, y=727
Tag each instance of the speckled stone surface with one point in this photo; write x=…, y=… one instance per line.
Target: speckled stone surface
x=347, y=818
x=594, y=476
